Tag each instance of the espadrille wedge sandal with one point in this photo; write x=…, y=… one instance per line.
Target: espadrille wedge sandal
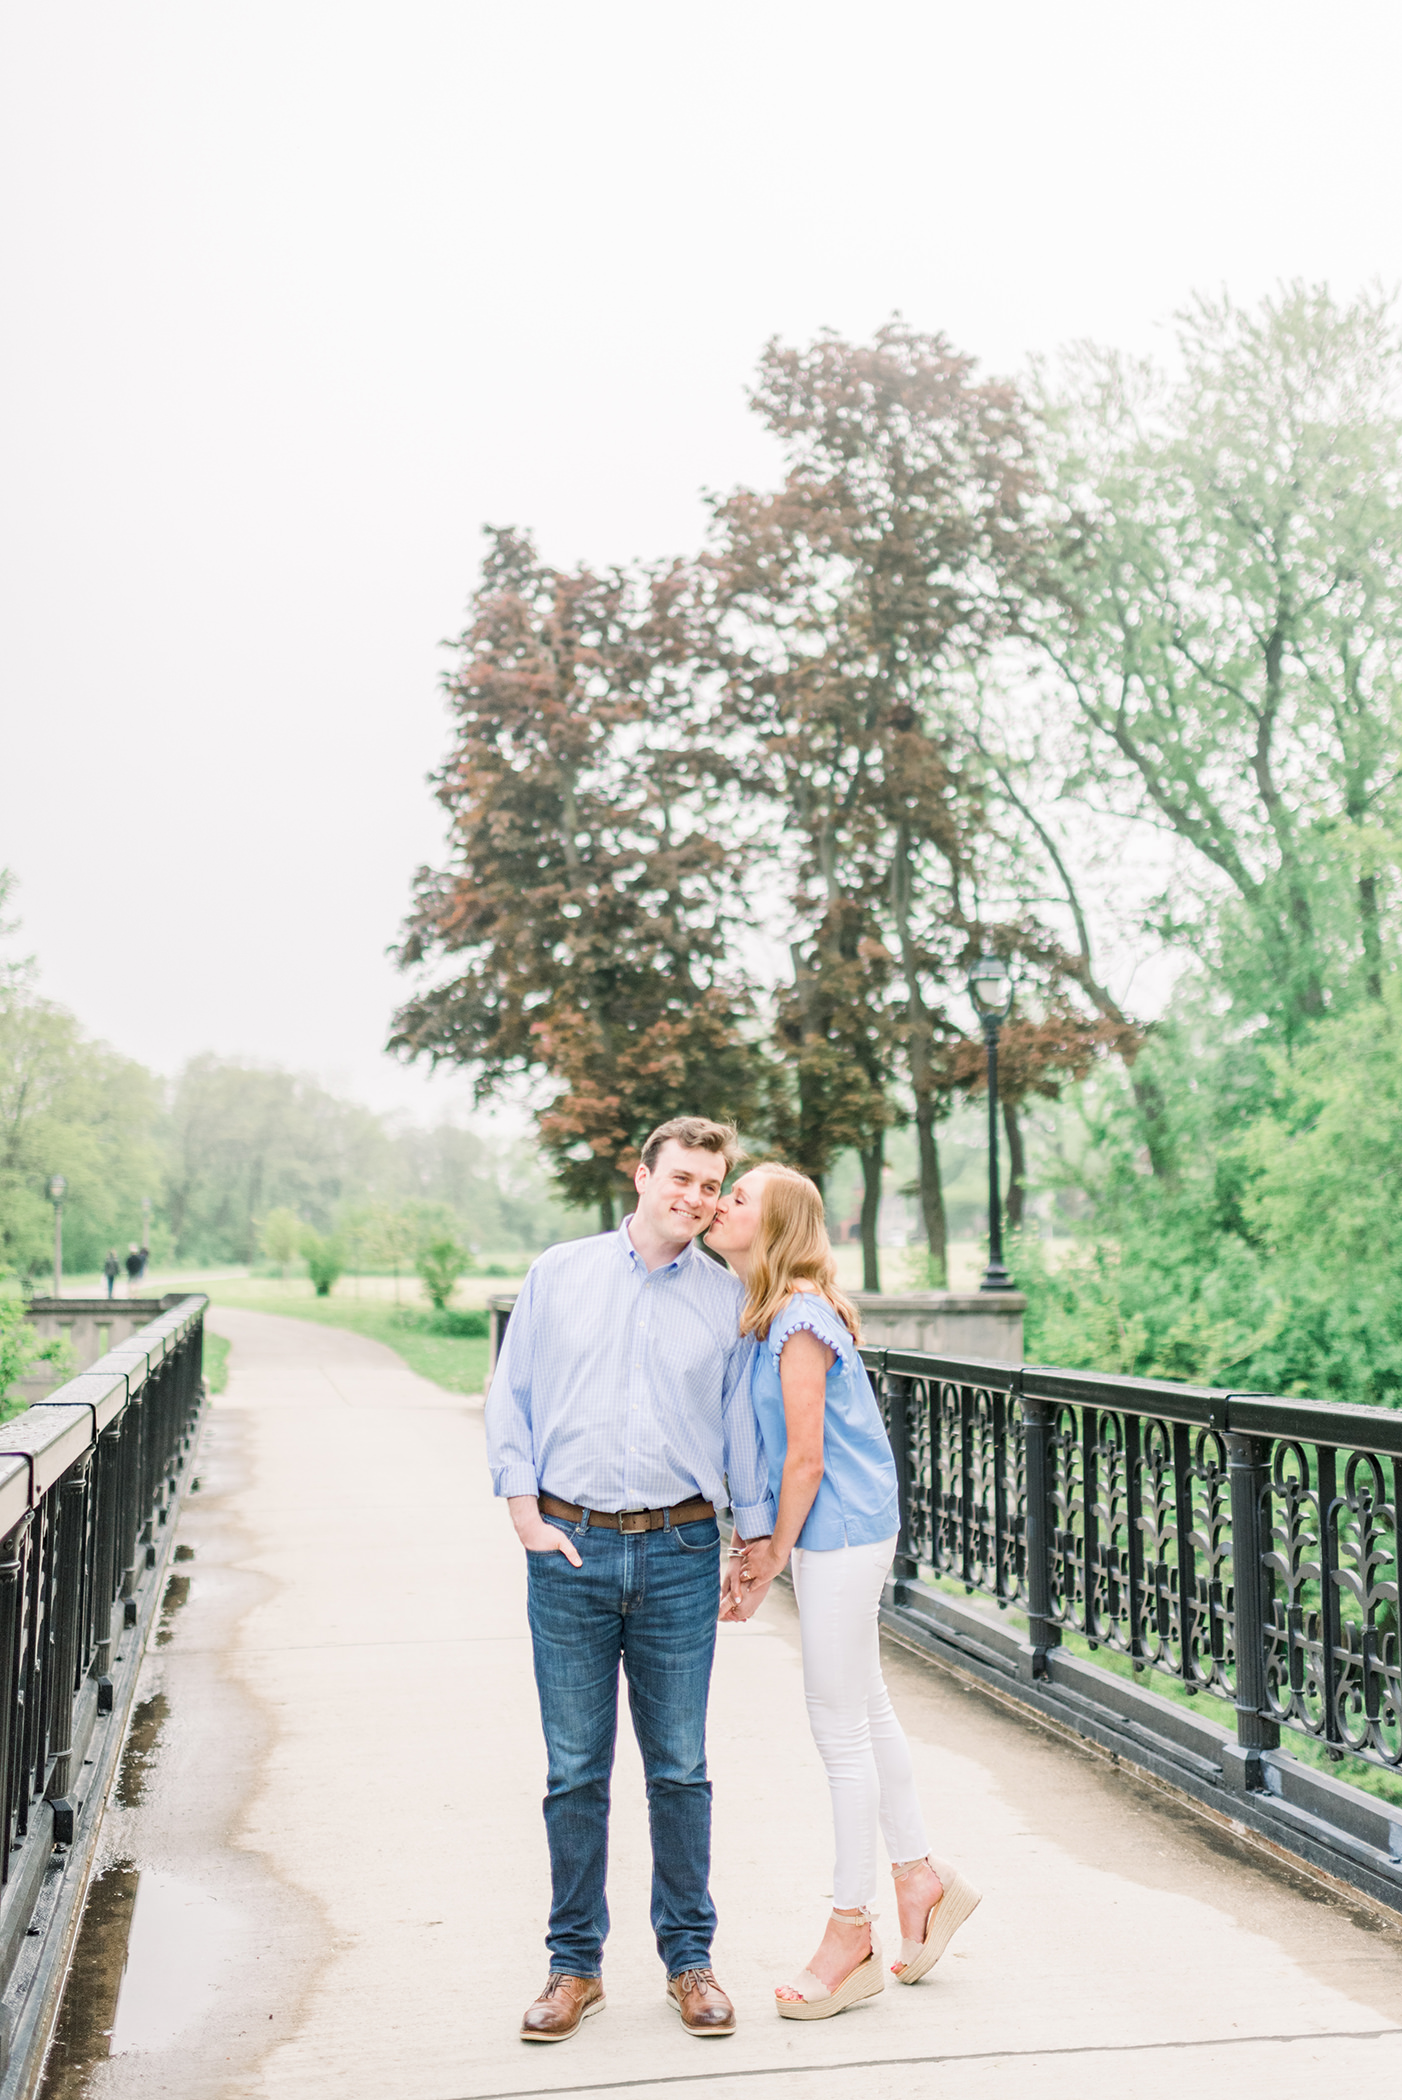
x=959, y=1902
x=817, y=2002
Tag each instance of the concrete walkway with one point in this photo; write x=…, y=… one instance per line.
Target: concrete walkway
x=334, y=1811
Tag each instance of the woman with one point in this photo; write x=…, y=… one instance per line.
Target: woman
x=835, y=1483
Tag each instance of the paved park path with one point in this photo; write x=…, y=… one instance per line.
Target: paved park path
x=334, y=1810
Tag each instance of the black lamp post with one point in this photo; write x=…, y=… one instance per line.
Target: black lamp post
x=991, y=989
x=57, y=1185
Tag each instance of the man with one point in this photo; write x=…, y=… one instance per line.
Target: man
x=619, y=1409
x=111, y=1269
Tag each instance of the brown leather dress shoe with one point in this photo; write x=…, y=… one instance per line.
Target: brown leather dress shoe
x=565, y=2001
x=702, y=2003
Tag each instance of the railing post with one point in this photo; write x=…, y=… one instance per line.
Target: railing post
x=11, y=1711
x=1036, y=1430
x=1247, y=1470
x=72, y=1499
x=129, y=1503
x=107, y=1474
x=905, y=1567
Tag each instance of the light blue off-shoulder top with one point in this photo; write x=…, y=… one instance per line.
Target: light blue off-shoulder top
x=856, y=1504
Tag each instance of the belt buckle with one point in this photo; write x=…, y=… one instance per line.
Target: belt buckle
x=631, y=1521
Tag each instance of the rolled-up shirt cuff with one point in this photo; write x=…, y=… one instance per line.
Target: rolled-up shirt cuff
x=514, y=1480
x=755, y=1521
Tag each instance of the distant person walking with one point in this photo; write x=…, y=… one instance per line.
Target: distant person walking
x=111, y=1269
x=134, y=1267
x=145, y=1252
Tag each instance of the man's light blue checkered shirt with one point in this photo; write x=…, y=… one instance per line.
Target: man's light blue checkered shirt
x=617, y=1389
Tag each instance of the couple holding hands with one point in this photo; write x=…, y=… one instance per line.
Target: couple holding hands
x=640, y=1386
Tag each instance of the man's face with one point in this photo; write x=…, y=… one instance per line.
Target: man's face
x=677, y=1196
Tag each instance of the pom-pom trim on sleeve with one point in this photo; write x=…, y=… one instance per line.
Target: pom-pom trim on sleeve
x=792, y=1321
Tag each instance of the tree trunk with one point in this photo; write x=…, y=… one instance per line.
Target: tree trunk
x=1148, y=1099
x=810, y=1143
x=606, y=1217
x=1017, y=1166
x=932, y=1194
x=922, y=1080
x=1372, y=940
x=871, y=1209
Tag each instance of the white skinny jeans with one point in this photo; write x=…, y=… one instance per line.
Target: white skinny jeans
x=854, y=1725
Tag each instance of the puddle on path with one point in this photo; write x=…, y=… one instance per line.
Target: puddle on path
x=177, y=1596
x=180, y=1938
x=89, y=2007
x=147, y=1721
x=150, y=1945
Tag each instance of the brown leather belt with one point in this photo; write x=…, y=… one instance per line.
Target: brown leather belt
x=630, y=1520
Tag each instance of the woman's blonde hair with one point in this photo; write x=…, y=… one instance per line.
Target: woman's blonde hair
x=790, y=1248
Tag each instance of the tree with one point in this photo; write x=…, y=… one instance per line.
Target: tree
x=385, y=1236
x=73, y=1107
x=586, y=904
x=325, y=1261
x=1236, y=648
x=21, y=1349
x=244, y=1139
x=911, y=533
x=440, y=1264
x=280, y=1237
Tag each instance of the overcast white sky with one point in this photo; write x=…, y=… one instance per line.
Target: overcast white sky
x=297, y=296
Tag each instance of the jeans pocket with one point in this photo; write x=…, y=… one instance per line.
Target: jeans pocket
x=571, y=1531
x=701, y=1537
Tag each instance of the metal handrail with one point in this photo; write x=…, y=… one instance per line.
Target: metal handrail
x=88, y=1476
x=1242, y=1543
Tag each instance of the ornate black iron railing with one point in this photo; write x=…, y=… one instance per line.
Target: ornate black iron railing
x=88, y=1479
x=1244, y=1545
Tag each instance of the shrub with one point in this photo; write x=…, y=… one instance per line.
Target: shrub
x=466, y=1326
x=325, y=1261
x=280, y=1236
x=440, y=1264
x=21, y=1349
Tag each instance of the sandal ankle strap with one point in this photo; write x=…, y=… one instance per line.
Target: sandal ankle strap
x=898, y=1873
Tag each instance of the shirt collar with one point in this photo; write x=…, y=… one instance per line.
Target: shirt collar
x=635, y=1261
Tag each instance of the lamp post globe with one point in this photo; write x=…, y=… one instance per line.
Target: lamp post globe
x=991, y=990
x=57, y=1186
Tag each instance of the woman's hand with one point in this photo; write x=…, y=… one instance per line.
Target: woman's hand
x=741, y=1596
x=740, y=1600
x=760, y=1563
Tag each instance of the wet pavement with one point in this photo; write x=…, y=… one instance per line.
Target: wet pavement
x=323, y=1875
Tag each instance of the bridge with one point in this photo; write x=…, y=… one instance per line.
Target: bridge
x=321, y=1870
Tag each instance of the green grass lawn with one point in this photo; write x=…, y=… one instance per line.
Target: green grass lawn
x=455, y=1361
x=216, y=1361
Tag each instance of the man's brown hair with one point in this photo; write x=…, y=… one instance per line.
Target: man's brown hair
x=696, y=1134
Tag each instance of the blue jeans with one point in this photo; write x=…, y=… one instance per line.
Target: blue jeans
x=650, y=1600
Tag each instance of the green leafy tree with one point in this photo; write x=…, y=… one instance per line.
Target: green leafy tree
x=911, y=533
x=280, y=1237
x=243, y=1140
x=1235, y=651
x=326, y=1262
x=21, y=1349
x=384, y=1236
x=73, y=1107
x=440, y=1264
